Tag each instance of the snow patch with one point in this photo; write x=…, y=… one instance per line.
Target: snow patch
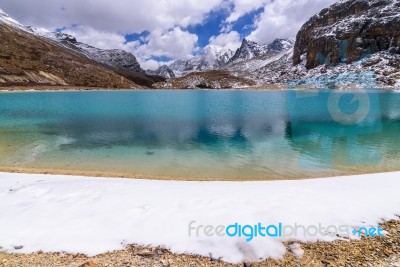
x=95, y=215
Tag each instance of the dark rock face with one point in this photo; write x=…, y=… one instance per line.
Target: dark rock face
x=248, y=50
x=347, y=30
x=117, y=58
x=279, y=45
x=162, y=71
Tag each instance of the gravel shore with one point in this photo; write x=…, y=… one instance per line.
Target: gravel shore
x=370, y=251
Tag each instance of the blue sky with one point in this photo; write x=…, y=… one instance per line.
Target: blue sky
x=215, y=22
x=158, y=32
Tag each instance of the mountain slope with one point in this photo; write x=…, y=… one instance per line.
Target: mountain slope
x=245, y=65
x=116, y=58
x=241, y=68
x=364, y=26
x=29, y=60
x=212, y=58
x=248, y=50
x=163, y=71
x=213, y=79
x=341, y=46
x=117, y=62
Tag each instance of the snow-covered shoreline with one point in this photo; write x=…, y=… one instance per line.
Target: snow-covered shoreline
x=94, y=215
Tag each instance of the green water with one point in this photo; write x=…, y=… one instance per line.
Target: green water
x=200, y=134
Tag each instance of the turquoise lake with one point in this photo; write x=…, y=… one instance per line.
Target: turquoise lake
x=201, y=134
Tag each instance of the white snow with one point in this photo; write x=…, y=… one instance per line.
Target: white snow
x=95, y=215
x=5, y=18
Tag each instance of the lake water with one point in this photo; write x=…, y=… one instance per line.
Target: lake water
x=201, y=134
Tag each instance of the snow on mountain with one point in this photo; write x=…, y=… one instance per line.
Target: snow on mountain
x=5, y=18
x=248, y=50
x=280, y=45
x=252, y=68
x=117, y=58
x=363, y=27
x=260, y=55
x=163, y=71
x=347, y=38
x=215, y=58
x=251, y=51
x=181, y=66
x=29, y=60
x=239, y=66
x=212, y=58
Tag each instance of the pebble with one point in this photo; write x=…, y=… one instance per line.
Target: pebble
x=377, y=252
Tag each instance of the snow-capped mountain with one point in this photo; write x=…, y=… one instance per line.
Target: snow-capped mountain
x=215, y=58
x=350, y=36
x=116, y=58
x=183, y=66
x=163, y=71
x=30, y=60
x=352, y=42
x=362, y=26
x=251, y=50
x=252, y=56
x=280, y=45
x=212, y=58
x=5, y=18
x=214, y=65
x=248, y=50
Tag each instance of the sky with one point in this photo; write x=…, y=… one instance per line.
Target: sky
x=158, y=32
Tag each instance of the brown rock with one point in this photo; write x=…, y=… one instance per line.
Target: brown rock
x=363, y=24
x=89, y=264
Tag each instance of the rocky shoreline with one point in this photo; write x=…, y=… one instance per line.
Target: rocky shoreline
x=369, y=251
x=146, y=176
x=276, y=87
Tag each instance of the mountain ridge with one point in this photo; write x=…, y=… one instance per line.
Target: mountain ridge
x=218, y=59
x=28, y=60
x=348, y=36
x=117, y=58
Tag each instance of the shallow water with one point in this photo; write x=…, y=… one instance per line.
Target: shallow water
x=201, y=134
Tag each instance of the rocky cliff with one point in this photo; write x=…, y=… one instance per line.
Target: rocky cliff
x=348, y=30
x=248, y=50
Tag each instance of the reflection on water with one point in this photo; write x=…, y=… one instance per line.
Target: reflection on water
x=204, y=134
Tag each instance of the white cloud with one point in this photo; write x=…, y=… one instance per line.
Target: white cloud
x=242, y=7
x=125, y=16
x=100, y=39
x=103, y=23
x=229, y=40
x=284, y=18
x=151, y=64
x=174, y=43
